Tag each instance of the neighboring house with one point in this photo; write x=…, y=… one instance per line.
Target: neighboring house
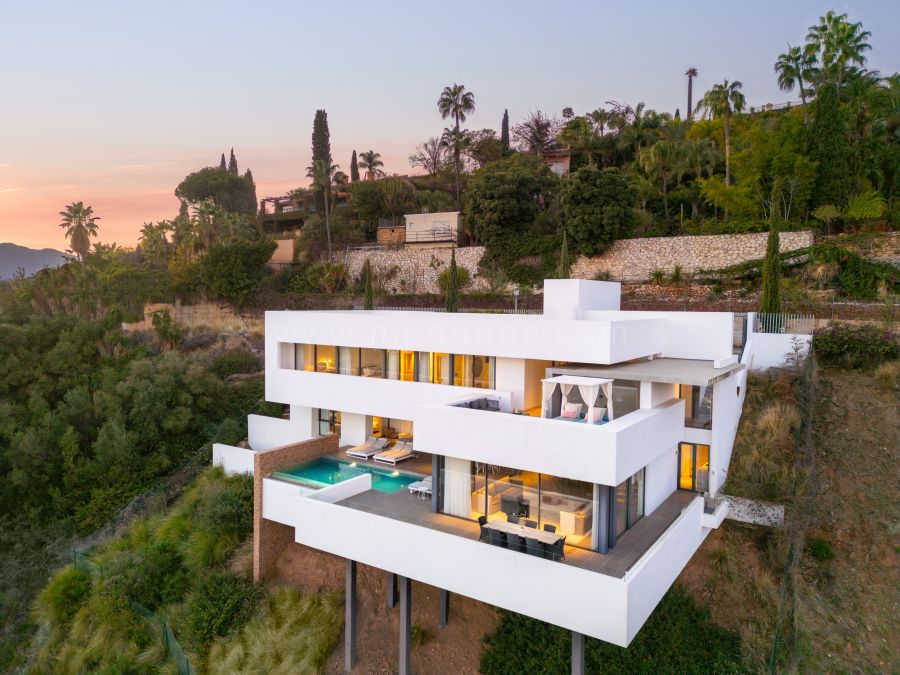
x=432, y=230
x=606, y=433
x=559, y=160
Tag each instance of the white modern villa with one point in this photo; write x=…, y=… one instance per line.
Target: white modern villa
x=563, y=465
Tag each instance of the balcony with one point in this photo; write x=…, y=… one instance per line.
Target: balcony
x=399, y=533
x=605, y=454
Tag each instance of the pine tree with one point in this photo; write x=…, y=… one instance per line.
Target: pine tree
x=563, y=271
x=451, y=302
x=354, y=169
x=183, y=210
x=222, y=165
x=321, y=151
x=829, y=147
x=232, y=163
x=369, y=302
x=770, y=301
x=504, y=133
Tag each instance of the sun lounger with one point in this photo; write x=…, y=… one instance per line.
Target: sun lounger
x=396, y=454
x=371, y=447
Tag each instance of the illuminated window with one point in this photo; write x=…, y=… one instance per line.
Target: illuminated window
x=693, y=467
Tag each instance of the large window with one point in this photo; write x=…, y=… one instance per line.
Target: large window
x=698, y=402
x=371, y=362
x=626, y=397
x=693, y=467
x=305, y=357
x=348, y=360
x=329, y=422
x=326, y=359
x=567, y=505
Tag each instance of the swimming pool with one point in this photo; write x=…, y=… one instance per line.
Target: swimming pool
x=326, y=471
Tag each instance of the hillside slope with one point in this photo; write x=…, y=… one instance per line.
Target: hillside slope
x=13, y=257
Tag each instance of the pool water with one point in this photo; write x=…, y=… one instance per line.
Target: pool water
x=326, y=471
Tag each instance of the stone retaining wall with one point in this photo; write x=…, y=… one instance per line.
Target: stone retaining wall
x=408, y=270
x=414, y=270
x=270, y=538
x=636, y=259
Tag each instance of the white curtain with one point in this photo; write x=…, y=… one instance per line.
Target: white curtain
x=547, y=389
x=345, y=357
x=607, y=391
x=393, y=364
x=589, y=393
x=458, y=487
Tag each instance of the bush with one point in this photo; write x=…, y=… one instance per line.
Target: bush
x=821, y=550
x=861, y=346
x=679, y=637
x=321, y=278
x=657, y=276
x=233, y=362
x=218, y=605
x=295, y=634
x=65, y=594
x=234, y=270
x=887, y=375
x=152, y=574
x=462, y=279
x=597, y=208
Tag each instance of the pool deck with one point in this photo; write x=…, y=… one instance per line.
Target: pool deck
x=420, y=466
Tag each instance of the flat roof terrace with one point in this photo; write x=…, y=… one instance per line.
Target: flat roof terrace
x=671, y=371
x=629, y=548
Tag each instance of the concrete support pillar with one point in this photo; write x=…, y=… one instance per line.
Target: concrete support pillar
x=350, y=617
x=355, y=428
x=444, y=613
x=577, y=653
x=601, y=529
x=611, y=520
x=436, y=496
x=391, y=590
x=405, y=624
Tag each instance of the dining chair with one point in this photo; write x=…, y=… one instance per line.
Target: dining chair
x=530, y=523
x=549, y=528
x=534, y=547
x=515, y=543
x=498, y=538
x=556, y=551
x=484, y=532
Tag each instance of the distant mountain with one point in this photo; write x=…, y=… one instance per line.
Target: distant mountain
x=12, y=257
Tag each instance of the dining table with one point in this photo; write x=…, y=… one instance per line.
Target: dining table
x=529, y=532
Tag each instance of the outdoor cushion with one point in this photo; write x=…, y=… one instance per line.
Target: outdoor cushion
x=571, y=411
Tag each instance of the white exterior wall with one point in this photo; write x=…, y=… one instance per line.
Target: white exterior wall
x=771, y=349
x=568, y=298
x=232, y=459
x=728, y=398
x=265, y=433
x=660, y=479
x=605, y=454
x=355, y=428
x=427, y=222
x=509, y=375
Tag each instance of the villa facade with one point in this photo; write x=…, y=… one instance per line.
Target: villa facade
x=565, y=466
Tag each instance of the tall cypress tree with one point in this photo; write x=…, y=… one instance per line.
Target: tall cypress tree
x=451, y=302
x=232, y=163
x=770, y=301
x=354, y=168
x=222, y=165
x=249, y=178
x=369, y=302
x=321, y=150
x=564, y=264
x=504, y=133
x=830, y=148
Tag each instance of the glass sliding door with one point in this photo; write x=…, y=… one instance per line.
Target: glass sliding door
x=393, y=364
x=408, y=366
x=693, y=467
x=441, y=371
x=697, y=406
x=568, y=505
x=348, y=360
x=460, y=490
x=423, y=366
x=629, y=503
x=305, y=357
x=371, y=362
x=482, y=372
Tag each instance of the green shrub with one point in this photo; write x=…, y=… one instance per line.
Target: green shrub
x=679, y=637
x=677, y=274
x=152, y=574
x=233, y=362
x=462, y=279
x=657, y=276
x=857, y=277
x=602, y=275
x=321, y=278
x=862, y=346
x=295, y=634
x=65, y=594
x=821, y=550
x=218, y=605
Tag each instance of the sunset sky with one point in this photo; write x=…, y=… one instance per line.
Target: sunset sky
x=113, y=103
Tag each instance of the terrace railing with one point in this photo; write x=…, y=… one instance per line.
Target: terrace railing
x=797, y=324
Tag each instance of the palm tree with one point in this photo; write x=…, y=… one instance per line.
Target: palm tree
x=792, y=67
x=154, y=242
x=371, y=161
x=455, y=141
x=322, y=174
x=724, y=100
x=842, y=43
x=665, y=160
x=691, y=74
x=700, y=157
x=80, y=225
x=457, y=103
x=580, y=134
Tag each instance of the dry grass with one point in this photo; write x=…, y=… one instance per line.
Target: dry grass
x=295, y=634
x=887, y=375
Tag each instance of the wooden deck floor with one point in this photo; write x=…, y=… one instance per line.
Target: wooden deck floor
x=629, y=548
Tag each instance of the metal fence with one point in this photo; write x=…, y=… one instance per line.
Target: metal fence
x=797, y=324
x=81, y=561
x=462, y=310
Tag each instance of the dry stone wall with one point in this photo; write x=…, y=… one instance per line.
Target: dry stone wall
x=415, y=270
x=636, y=259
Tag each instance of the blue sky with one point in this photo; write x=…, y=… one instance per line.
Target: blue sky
x=114, y=102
